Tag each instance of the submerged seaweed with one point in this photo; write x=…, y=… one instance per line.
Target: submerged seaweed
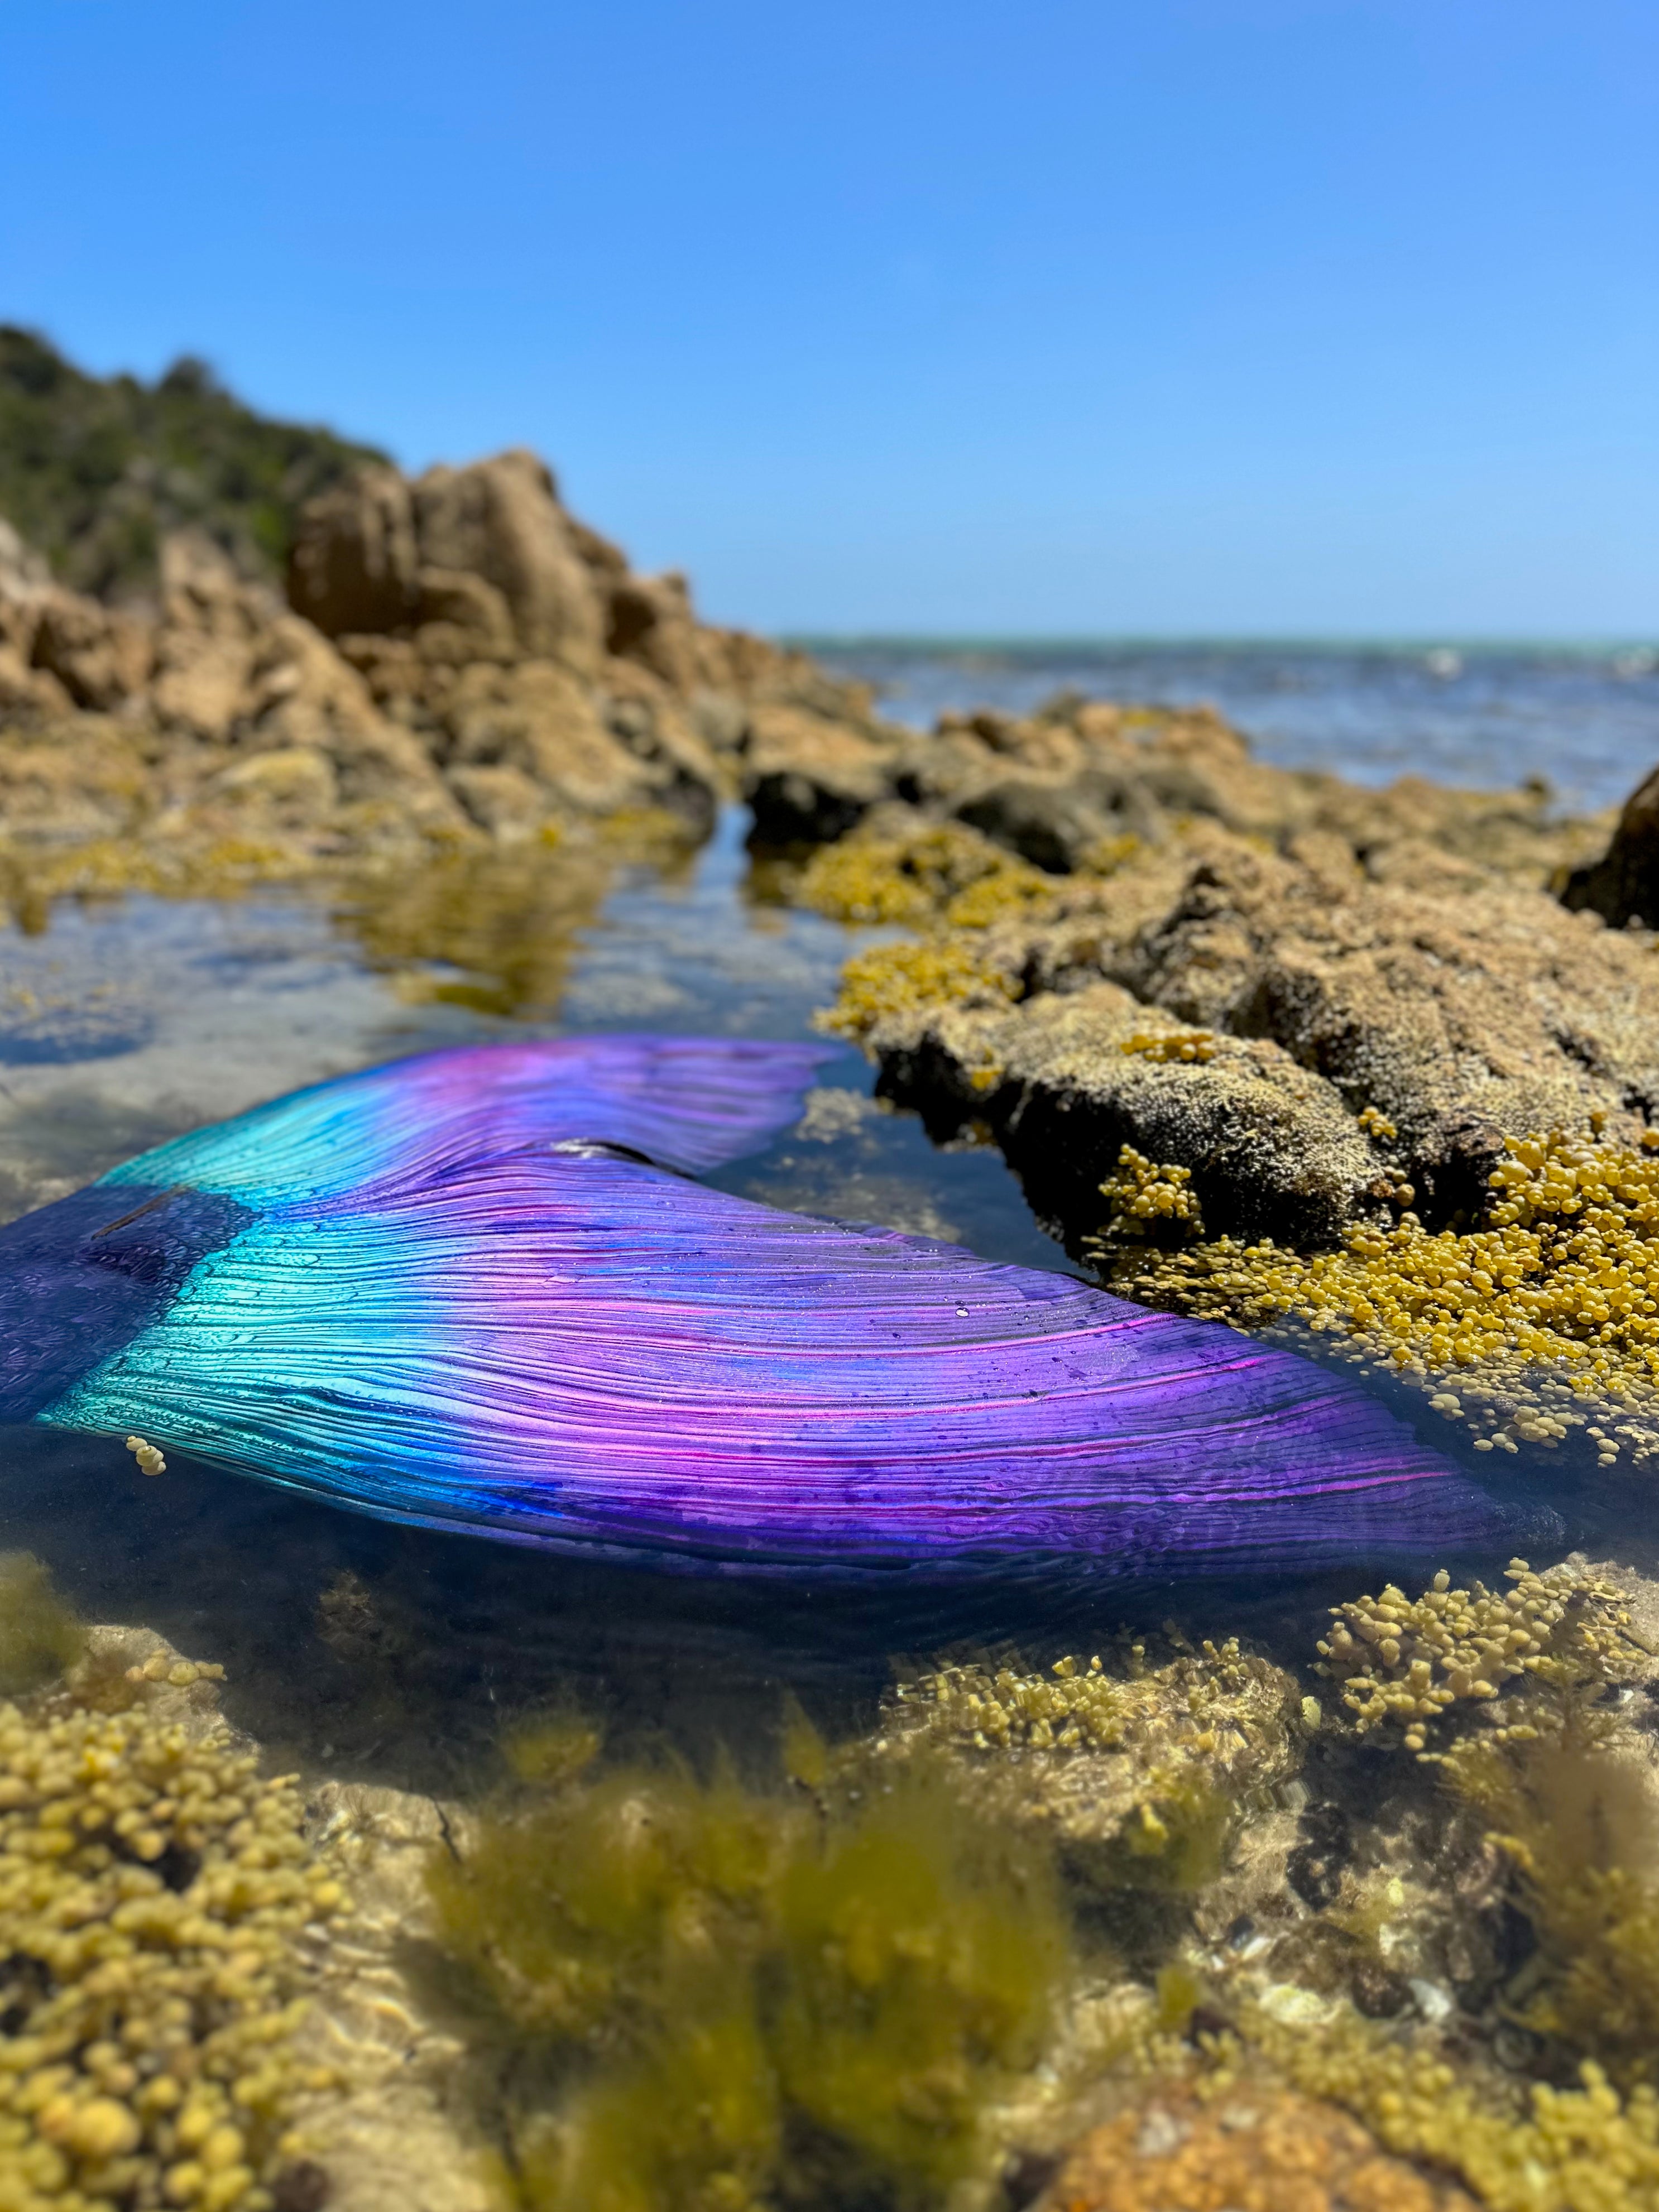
x=709, y=1995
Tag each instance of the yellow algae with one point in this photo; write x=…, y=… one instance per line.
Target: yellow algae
x=152, y=1889
x=1147, y=1197
x=945, y=875
x=1410, y=1662
x=1583, y=2149
x=907, y=979
x=1546, y=1319
x=1107, y=854
x=1183, y=1045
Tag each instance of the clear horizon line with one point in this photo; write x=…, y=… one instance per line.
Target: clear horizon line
x=1040, y=641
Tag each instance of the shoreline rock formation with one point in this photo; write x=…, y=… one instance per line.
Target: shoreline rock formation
x=460, y=662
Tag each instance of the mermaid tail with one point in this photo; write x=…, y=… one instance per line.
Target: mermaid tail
x=478, y=1290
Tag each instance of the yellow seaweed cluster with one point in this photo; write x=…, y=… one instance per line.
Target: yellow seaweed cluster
x=910, y=979
x=944, y=875
x=1410, y=1661
x=1147, y=1198
x=1187, y=1047
x=151, y=1891
x=697, y=1979
x=1158, y=1763
x=1542, y=1323
x=1587, y=2149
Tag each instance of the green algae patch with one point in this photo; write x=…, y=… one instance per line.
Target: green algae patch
x=923, y=1951
x=719, y=1997
x=41, y=1638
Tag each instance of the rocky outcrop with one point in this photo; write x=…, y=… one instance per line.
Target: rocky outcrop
x=459, y=659
x=1313, y=1043
x=1063, y=788
x=809, y=779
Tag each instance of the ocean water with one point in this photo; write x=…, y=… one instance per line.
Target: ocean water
x=1585, y=720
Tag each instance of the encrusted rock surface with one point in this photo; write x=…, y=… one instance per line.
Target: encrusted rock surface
x=1256, y=2147
x=1377, y=1030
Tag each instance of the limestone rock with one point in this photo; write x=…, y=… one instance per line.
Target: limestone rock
x=501, y=520
x=1462, y=1013
x=1271, y=1146
x=461, y=618
x=1462, y=1018
x=808, y=779
x=536, y=719
x=100, y=656
x=353, y=563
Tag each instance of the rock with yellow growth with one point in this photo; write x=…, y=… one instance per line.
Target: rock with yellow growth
x=903, y=981
x=1582, y=2149
x=1253, y=2147
x=1186, y=1046
x=1546, y=1319
x=1141, y=1775
x=1410, y=1661
x=938, y=875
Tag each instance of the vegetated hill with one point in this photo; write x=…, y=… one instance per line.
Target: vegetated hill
x=94, y=469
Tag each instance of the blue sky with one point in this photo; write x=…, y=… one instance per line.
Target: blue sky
x=1187, y=316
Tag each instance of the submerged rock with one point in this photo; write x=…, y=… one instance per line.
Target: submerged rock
x=1253, y=2146
x=1140, y=1775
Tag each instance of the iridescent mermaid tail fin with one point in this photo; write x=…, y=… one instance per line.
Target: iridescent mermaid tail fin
x=460, y=1291
x=684, y=1102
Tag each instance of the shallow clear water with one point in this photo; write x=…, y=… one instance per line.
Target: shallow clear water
x=366, y=1652
x=1588, y=722
x=126, y=1022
